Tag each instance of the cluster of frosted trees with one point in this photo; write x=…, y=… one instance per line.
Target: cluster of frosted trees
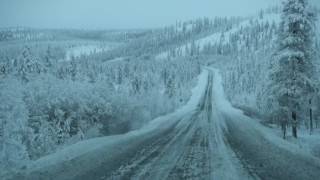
x=47, y=103
x=275, y=72
x=30, y=34
x=251, y=51
x=293, y=85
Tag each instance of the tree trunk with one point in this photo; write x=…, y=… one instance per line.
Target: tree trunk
x=294, y=125
x=284, y=129
x=311, y=120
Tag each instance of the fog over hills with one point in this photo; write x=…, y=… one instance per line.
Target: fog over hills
x=115, y=14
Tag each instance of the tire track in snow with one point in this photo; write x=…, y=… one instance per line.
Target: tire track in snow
x=188, y=145
x=189, y=151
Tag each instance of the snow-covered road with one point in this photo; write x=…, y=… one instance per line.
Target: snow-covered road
x=206, y=139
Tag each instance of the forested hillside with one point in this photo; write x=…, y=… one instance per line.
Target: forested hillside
x=59, y=87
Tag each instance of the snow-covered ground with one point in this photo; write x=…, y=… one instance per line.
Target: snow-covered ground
x=305, y=144
x=88, y=49
x=263, y=152
x=116, y=60
x=310, y=143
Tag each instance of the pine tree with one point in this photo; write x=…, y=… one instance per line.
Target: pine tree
x=13, y=124
x=48, y=59
x=292, y=69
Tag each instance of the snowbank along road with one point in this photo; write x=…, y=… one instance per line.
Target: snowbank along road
x=206, y=139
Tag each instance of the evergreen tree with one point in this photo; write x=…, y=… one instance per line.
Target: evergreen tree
x=13, y=124
x=292, y=69
x=48, y=58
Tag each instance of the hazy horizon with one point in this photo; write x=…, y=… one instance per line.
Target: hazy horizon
x=120, y=14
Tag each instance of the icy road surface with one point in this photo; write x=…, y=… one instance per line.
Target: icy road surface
x=206, y=139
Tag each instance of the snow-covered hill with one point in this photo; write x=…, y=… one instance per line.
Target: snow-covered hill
x=224, y=37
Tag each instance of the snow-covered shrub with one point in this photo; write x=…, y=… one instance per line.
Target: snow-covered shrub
x=14, y=132
x=59, y=109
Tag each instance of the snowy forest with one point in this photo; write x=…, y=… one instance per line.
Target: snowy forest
x=227, y=98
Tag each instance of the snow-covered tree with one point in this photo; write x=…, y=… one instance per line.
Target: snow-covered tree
x=14, y=131
x=292, y=68
x=26, y=64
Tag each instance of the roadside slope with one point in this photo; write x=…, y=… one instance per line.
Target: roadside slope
x=261, y=151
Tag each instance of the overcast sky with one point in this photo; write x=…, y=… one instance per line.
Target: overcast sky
x=115, y=14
